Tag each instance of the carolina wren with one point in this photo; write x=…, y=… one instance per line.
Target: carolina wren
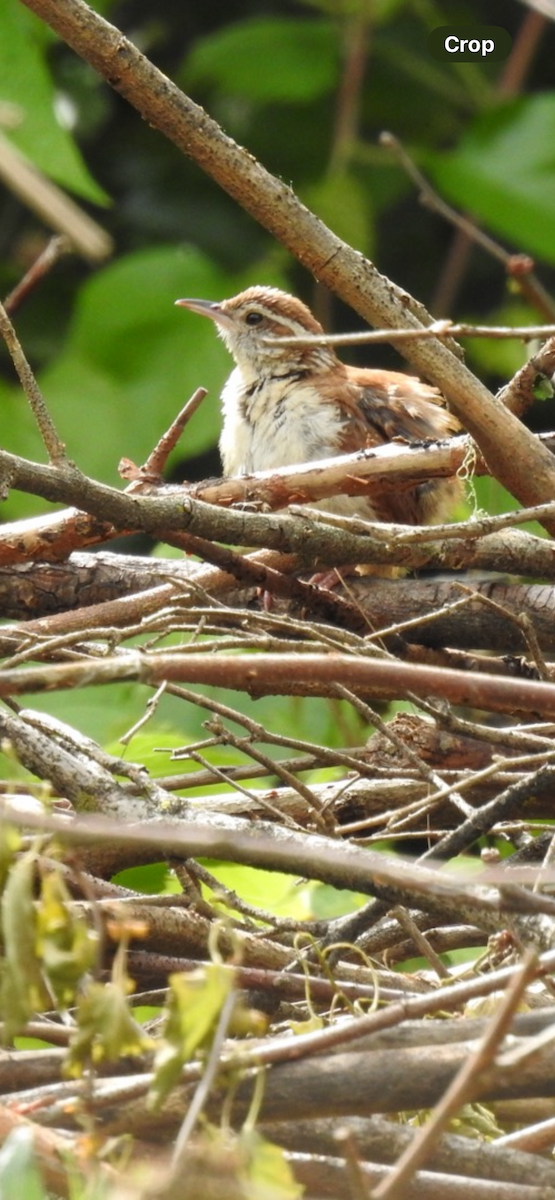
x=286, y=405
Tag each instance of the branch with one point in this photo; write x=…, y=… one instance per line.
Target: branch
x=52, y=205
x=53, y=251
x=440, y=329
x=381, y=1141
x=520, y=393
x=193, y=509
x=315, y=856
x=463, y=1088
x=179, y=508
x=292, y=674
x=518, y=266
x=53, y=443
x=90, y=593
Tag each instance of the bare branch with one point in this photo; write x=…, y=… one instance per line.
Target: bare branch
x=438, y=329
x=53, y=251
x=464, y=1086
x=290, y=674
x=153, y=467
x=54, y=446
x=52, y=205
x=518, y=266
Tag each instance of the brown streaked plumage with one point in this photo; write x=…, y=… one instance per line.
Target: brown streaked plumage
x=286, y=405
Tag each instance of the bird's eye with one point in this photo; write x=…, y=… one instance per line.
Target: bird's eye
x=253, y=318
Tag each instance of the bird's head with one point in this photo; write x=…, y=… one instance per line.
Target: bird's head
x=249, y=322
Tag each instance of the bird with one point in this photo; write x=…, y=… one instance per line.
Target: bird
x=288, y=405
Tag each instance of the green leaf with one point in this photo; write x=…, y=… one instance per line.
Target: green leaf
x=543, y=388
x=106, y=1028
x=23, y=987
x=194, y=1005
x=275, y=59
x=328, y=903
x=151, y=879
x=268, y=890
x=27, y=86
x=67, y=947
x=19, y=1175
x=503, y=172
x=266, y=1169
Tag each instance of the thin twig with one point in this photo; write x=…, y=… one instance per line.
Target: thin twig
x=518, y=267
x=53, y=251
x=465, y=1085
x=429, y=197
x=387, y=532
x=179, y=1157
x=153, y=468
x=438, y=329
x=423, y=946
x=403, y=748
x=55, y=447
x=534, y=1138
x=346, y=1143
x=245, y=744
x=522, y=621
x=481, y=820
x=52, y=205
x=257, y=798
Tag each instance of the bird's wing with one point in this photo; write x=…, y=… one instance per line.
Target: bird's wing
x=397, y=406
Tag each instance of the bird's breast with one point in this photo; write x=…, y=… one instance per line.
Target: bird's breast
x=276, y=422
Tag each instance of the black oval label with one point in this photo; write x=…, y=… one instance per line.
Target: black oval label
x=467, y=43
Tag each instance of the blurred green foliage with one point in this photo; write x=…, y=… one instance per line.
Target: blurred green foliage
x=19, y=1173
x=33, y=118
x=502, y=170
x=234, y=60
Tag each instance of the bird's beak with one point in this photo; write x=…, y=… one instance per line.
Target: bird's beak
x=207, y=308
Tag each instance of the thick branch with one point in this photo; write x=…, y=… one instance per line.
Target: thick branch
x=118, y=589
x=318, y=857
x=112, y=512
x=203, y=510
